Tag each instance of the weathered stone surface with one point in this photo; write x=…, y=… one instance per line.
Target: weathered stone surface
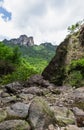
x=26, y=97
x=79, y=98
x=40, y=115
x=63, y=115
x=3, y=115
x=79, y=115
x=37, y=80
x=8, y=100
x=51, y=127
x=14, y=87
x=17, y=111
x=14, y=125
x=4, y=94
x=72, y=127
x=34, y=91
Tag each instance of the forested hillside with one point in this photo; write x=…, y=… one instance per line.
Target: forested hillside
x=37, y=56
x=17, y=63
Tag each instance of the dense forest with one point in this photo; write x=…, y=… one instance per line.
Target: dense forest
x=18, y=63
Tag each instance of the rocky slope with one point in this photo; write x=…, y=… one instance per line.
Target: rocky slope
x=39, y=105
x=72, y=48
x=22, y=40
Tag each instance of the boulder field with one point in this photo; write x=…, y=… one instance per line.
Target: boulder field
x=40, y=105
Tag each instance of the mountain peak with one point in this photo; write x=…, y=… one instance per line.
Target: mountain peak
x=22, y=40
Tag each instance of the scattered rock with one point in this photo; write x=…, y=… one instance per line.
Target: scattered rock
x=51, y=127
x=63, y=115
x=14, y=125
x=79, y=115
x=37, y=80
x=79, y=98
x=8, y=100
x=3, y=115
x=26, y=97
x=72, y=127
x=34, y=91
x=14, y=87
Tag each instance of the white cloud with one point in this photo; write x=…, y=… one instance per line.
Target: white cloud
x=46, y=20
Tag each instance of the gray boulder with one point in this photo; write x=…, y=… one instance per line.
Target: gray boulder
x=40, y=115
x=14, y=87
x=17, y=111
x=33, y=90
x=37, y=80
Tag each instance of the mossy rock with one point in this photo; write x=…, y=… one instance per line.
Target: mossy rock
x=64, y=116
x=3, y=115
x=40, y=115
x=80, y=105
x=62, y=121
x=14, y=125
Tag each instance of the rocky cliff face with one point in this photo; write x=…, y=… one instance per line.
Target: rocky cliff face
x=70, y=49
x=22, y=40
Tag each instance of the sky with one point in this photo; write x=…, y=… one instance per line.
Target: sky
x=45, y=20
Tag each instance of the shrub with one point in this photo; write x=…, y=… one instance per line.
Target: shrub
x=75, y=73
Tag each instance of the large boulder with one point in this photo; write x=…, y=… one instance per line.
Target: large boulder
x=79, y=115
x=37, y=80
x=17, y=111
x=64, y=116
x=40, y=115
x=79, y=98
x=3, y=115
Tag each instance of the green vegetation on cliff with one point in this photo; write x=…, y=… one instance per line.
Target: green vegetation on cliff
x=75, y=73
x=67, y=66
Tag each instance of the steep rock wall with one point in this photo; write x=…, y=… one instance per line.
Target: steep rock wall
x=70, y=49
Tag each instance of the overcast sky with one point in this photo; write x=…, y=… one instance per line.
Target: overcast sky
x=45, y=20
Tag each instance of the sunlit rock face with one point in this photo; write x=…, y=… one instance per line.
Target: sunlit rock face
x=70, y=49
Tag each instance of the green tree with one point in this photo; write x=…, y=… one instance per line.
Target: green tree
x=9, y=58
x=75, y=27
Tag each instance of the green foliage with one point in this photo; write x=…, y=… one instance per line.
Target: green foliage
x=9, y=58
x=18, y=63
x=75, y=79
x=75, y=72
x=22, y=73
x=12, y=66
x=6, y=53
x=77, y=65
x=43, y=52
x=16, y=55
x=75, y=27
x=37, y=56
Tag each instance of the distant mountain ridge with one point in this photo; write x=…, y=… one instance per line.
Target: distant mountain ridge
x=22, y=40
x=36, y=55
